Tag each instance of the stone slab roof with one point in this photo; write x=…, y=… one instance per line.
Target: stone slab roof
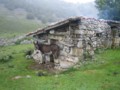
x=68, y=21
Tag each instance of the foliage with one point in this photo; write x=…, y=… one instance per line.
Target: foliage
x=109, y=9
x=28, y=52
x=6, y=58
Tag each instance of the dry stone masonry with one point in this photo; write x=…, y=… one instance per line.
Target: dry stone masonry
x=77, y=38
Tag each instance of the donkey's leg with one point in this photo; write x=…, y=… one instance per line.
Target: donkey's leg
x=44, y=59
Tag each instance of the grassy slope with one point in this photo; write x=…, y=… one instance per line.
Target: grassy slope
x=102, y=74
x=14, y=23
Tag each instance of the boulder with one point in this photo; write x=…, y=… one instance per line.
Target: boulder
x=37, y=56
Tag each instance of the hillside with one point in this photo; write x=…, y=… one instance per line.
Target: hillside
x=14, y=22
x=23, y=16
x=19, y=17
x=51, y=10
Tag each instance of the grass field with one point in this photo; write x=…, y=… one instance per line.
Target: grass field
x=102, y=74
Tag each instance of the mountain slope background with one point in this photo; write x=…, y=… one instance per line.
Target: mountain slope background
x=22, y=16
x=14, y=23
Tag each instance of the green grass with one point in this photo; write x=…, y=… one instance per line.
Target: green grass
x=102, y=74
x=15, y=26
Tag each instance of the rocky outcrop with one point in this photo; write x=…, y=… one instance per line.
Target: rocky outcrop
x=16, y=40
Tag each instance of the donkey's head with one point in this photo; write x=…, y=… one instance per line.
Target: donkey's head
x=36, y=45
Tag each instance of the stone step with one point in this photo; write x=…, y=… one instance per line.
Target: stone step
x=66, y=64
x=69, y=59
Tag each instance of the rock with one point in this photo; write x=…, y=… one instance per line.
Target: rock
x=37, y=56
x=66, y=64
x=26, y=42
x=3, y=42
x=28, y=76
x=28, y=56
x=17, y=77
x=77, y=66
x=80, y=45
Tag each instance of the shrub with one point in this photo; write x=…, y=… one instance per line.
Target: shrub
x=41, y=73
x=28, y=52
x=17, y=42
x=10, y=66
x=6, y=58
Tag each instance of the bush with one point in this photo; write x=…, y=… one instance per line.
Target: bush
x=6, y=58
x=10, y=66
x=28, y=52
x=18, y=42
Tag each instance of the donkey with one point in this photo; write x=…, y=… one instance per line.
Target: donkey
x=52, y=48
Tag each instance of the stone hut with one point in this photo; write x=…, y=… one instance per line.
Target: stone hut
x=77, y=39
x=115, y=33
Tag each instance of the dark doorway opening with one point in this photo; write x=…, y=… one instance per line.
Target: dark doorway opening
x=51, y=58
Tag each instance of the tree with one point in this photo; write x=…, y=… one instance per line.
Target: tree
x=109, y=9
